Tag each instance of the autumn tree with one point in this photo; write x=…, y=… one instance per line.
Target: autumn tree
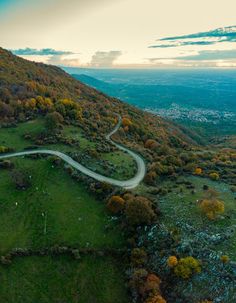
x=211, y=205
x=116, y=204
x=186, y=267
x=139, y=211
x=214, y=176
x=151, y=144
x=172, y=261
x=155, y=299
x=126, y=122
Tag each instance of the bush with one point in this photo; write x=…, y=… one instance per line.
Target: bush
x=138, y=257
x=211, y=206
x=224, y=259
x=156, y=299
x=20, y=180
x=151, y=144
x=198, y=171
x=53, y=120
x=186, y=267
x=172, y=261
x=214, y=176
x=139, y=211
x=116, y=204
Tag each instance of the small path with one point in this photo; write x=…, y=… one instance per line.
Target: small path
x=128, y=184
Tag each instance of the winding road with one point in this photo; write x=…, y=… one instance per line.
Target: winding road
x=127, y=184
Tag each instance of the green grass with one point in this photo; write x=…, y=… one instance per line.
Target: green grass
x=73, y=216
x=62, y=280
x=13, y=137
x=183, y=207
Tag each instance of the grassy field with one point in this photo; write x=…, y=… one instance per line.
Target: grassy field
x=124, y=164
x=56, y=210
x=182, y=207
x=71, y=215
x=62, y=280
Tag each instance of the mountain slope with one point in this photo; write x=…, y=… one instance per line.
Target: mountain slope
x=21, y=80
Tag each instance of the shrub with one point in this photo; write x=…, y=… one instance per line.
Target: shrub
x=214, y=176
x=116, y=204
x=20, y=179
x=198, y=171
x=172, y=261
x=150, y=177
x=224, y=259
x=151, y=144
x=211, y=206
x=151, y=286
x=126, y=122
x=53, y=120
x=156, y=299
x=186, y=267
x=138, y=257
x=139, y=211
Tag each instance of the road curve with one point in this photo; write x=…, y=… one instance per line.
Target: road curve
x=127, y=184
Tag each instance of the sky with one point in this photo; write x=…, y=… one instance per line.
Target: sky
x=121, y=33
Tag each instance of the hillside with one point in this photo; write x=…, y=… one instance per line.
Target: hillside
x=169, y=237
x=21, y=80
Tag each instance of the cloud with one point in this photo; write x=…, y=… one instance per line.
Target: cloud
x=205, y=55
x=39, y=52
x=105, y=59
x=219, y=35
x=211, y=55
x=63, y=60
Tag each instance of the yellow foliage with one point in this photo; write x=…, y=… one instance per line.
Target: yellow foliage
x=126, y=122
x=212, y=207
x=172, y=261
x=224, y=258
x=214, y=176
x=186, y=267
x=198, y=171
x=156, y=299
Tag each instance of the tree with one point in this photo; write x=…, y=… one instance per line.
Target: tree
x=20, y=179
x=116, y=204
x=126, y=122
x=198, y=171
x=151, y=144
x=150, y=177
x=138, y=257
x=53, y=120
x=186, y=267
x=155, y=299
x=139, y=211
x=5, y=110
x=214, y=176
x=172, y=261
x=211, y=206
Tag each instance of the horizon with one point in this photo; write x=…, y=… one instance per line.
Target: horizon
x=121, y=34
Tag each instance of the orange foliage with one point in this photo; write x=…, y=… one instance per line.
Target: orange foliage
x=126, y=122
x=151, y=285
x=116, y=204
x=172, y=261
x=224, y=259
x=198, y=171
x=156, y=299
x=150, y=144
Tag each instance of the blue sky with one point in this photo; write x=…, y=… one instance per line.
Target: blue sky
x=121, y=33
